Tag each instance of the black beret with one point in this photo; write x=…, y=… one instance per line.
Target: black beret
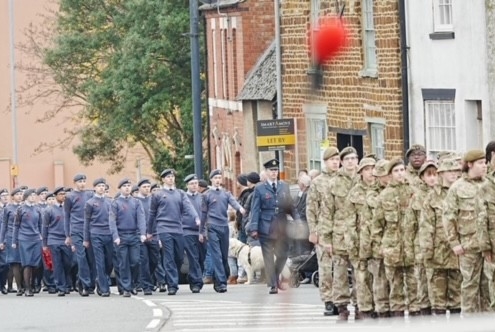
x=154, y=186
x=79, y=177
x=242, y=179
x=68, y=189
x=40, y=190
x=24, y=188
x=168, y=171
x=124, y=181
x=99, y=181
x=202, y=183
x=16, y=191
x=215, y=172
x=272, y=163
x=4, y=191
x=28, y=193
x=50, y=194
x=190, y=177
x=134, y=189
x=253, y=177
x=58, y=190
x=143, y=181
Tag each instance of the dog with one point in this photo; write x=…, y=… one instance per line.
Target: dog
x=251, y=259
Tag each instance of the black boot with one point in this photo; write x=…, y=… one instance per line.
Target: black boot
x=330, y=309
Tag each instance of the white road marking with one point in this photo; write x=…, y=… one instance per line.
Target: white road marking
x=153, y=324
x=157, y=313
x=149, y=303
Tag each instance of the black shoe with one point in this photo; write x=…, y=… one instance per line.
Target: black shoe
x=163, y=288
x=172, y=291
x=139, y=289
x=127, y=294
x=61, y=294
x=4, y=291
x=133, y=291
x=330, y=309
x=273, y=290
x=195, y=290
x=29, y=293
x=147, y=292
x=84, y=293
x=52, y=291
x=11, y=290
x=67, y=292
x=91, y=291
x=36, y=289
x=20, y=292
x=45, y=289
x=105, y=294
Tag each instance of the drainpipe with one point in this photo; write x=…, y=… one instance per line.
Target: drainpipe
x=404, y=74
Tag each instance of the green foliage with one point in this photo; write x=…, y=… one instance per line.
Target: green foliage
x=129, y=62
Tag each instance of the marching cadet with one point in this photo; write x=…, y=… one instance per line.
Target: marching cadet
x=381, y=287
x=54, y=241
x=4, y=198
x=215, y=227
x=427, y=180
x=128, y=227
x=97, y=235
x=416, y=157
x=4, y=266
x=316, y=199
x=359, y=216
x=487, y=228
x=464, y=210
x=391, y=235
x=134, y=191
x=155, y=187
x=202, y=186
x=269, y=208
x=166, y=209
x=6, y=233
x=42, y=192
x=43, y=273
x=333, y=231
x=191, y=234
x=27, y=237
x=444, y=276
x=74, y=205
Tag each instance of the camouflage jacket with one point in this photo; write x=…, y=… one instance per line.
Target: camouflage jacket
x=433, y=243
x=367, y=248
x=359, y=217
x=396, y=244
x=316, y=199
x=333, y=227
x=412, y=176
x=413, y=212
x=487, y=225
x=463, y=211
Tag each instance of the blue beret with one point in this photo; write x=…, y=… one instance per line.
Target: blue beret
x=215, y=172
x=4, y=191
x=58, y=190
x=124, y=181
x=16, y=191
x=134, y=189
x=50, y=194
x=168, y=171
x=40, y=190
x=99, y=181
x=28, y=193
x=190, y=177
x=154, y=186
x=272, y=163
x=79, y=177
x=23, y=188
x=203, y=184
x=143, y=181
x=242, y=179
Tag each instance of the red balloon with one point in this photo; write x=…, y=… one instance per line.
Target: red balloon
x=329, y=39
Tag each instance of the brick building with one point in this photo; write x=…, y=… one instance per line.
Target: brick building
x=359, y=102
x=237, y=34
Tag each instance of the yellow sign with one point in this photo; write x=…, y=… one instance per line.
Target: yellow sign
x=276, y=140
x=14, y=170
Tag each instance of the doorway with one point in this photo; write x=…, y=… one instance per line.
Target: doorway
x=356, y=141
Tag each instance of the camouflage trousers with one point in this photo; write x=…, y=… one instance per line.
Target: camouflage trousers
x=381, y=288
x=423, y=286
x=470, y=265
x=324, y=274
x=489, y=274
x=445, y=285
x=340, y=289
x=403, y=287
x=363, y=285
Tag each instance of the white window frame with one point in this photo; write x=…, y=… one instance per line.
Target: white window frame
x=316, y=115
x=440, y=126
x=377, y=135
x=443, y=20
x=370, y=63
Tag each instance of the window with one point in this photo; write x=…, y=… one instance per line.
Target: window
x=317, y=134
x=442, y=10
x=377, y=133
x=440, y=126
x=369, y=42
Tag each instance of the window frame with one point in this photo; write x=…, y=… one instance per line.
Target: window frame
x=314, y=146
x=378, y=150
x=370, y=68
x=448, y=141
x=439, y=9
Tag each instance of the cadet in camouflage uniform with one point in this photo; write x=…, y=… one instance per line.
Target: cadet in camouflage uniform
x=427, y=179
x=392, y=235
x=359, y=216
x=464, y=210
x=317, y=194
x=333, y=233
x=381, y=288
x=416, y=157
x=444, y=276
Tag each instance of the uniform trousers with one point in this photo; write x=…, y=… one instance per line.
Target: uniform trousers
x=128, y=256
x=192, y=248
x=103, y=251
x=150, y=256
x=381, y=286
x=173, y=256
x=272, y=248
x=218, y=248
x=86, y=267
x=62, y=264
x=325, y=273
x=470, y=264
x=445, y=285
x=401, y=280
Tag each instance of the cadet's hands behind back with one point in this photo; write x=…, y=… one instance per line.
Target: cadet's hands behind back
x=313, y=238
x=458, y=250
x=254, y=235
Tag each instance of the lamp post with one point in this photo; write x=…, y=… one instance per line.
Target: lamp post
x=13, y=100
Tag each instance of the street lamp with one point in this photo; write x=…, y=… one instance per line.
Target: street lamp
x=13, y=100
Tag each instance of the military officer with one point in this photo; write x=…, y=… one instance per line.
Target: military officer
x=269, y=208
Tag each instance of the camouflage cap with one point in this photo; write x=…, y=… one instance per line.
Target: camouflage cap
x=474, y=155
x=380, y=168
x=346, y=151
x=449, y=164
x=445, y=155
x=365, y=162
x=330, y=152
x=394, y=162
x=415, y=147
x=426, y=164
x=371, y=155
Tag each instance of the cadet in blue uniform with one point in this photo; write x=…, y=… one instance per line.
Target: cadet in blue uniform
x=166, y=210
x=128, y=227
x=54, y=240
x=4, y=266
x=192, y=246
x=97, y=234
x=43, y=273
x=269, y=208
x=6, y=232
x=27, y=237
x=215, y=227
x=74, y=232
